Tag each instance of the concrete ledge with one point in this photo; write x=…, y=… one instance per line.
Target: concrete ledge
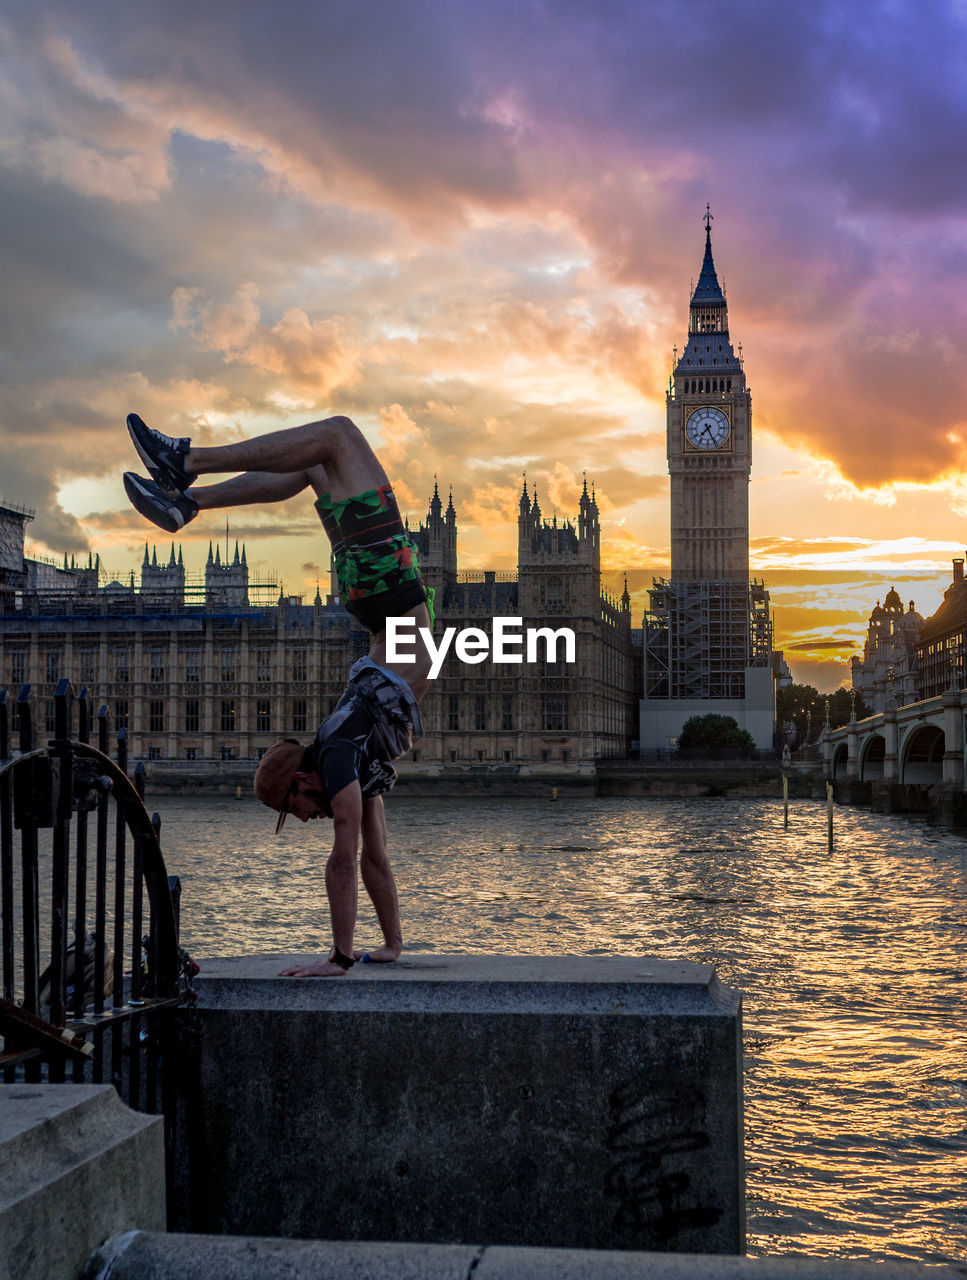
x=580, y=1102
x=143, y=1256
x=422, y=982
x=76, y=1166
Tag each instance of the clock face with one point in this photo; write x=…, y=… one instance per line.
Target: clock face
x=707, y=428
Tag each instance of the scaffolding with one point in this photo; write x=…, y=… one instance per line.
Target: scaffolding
x=701, y=636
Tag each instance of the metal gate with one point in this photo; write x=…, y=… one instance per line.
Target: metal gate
x=93, y=977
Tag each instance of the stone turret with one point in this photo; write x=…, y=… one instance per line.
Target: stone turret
x=226, y=585
x=163, y=585
x=436, y=541
x=558, y=562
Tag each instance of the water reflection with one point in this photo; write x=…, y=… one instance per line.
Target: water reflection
x=852, y=966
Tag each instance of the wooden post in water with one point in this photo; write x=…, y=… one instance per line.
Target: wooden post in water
x=829, y=814
x=785, y=801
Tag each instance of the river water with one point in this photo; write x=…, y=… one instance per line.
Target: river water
x=852, y=965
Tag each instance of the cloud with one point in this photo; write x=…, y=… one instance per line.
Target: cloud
x=297, y=352
x=844, y=645
x=473, y=228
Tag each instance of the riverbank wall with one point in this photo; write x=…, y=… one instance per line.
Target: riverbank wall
x=739, y=779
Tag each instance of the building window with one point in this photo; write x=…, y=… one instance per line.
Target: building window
x=480, y=757
x=225, y=753
x=507, y=712
x=18, y=666
x=555, y=711
x=122, y=666
x=263, y=715
x=49, y=723
x=300, y=715
x=87, y=666
x=154, y=753
x=453, y=757
x=121, y=714
x=53, y=657
x=299, y=664
x=416, y=757
x=506, y=757
x=228, y=715
x=156, y=716
x=192, y=715
x=193, y=666
x=191, y=753
x=228, y=665
x=156, y=666
x=565, y=756
x=263, y=664
x=453, y=712
x=544, y=755
x=480, y=712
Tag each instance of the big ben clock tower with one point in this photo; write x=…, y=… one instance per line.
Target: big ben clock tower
x=709, y=416
x=707, y=631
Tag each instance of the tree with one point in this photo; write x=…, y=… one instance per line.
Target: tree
x=801, y=705
x=805, y=707
x=714, y=733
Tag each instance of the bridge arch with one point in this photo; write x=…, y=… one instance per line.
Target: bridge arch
x=921, y=755
x=840, y=760
x=872, y=756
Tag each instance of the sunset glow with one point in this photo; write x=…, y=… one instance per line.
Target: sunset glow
x=473, y=228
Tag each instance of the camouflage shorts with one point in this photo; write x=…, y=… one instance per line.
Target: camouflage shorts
x=377, y=565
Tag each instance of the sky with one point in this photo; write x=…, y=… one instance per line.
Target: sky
x=474, y=227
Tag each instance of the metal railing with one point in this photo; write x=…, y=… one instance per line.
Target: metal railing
x=97, y=1000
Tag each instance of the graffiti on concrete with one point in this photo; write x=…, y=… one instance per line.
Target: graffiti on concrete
x=653, y=1136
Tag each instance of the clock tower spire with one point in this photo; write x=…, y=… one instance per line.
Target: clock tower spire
x=708, y=631
x=709, y=422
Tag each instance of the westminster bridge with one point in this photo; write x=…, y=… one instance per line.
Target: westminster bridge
x=921, y=744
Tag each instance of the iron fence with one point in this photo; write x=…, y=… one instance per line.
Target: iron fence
x=95, y=985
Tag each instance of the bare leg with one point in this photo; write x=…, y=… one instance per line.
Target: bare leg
x=336, y=444
x=380, y=883
x=249, y=487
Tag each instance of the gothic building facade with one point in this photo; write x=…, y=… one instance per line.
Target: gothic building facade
x=888, y=670
x=221, y=668
x=708, y=630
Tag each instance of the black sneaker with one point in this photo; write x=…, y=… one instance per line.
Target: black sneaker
x=162, y=455
x=170, y=512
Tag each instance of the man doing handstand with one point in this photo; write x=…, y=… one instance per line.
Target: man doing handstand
x=346, y=770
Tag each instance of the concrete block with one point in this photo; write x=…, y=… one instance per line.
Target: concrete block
x=586, y=1102
x=76, y=1166
x=146, y=1256
x=576, y=1264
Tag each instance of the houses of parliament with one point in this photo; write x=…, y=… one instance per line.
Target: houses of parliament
x=218, y=670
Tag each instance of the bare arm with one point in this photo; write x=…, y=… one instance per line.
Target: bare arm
x=347, y=812
x=380, y=882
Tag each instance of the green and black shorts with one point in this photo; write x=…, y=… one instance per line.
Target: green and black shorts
x=376, y=560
